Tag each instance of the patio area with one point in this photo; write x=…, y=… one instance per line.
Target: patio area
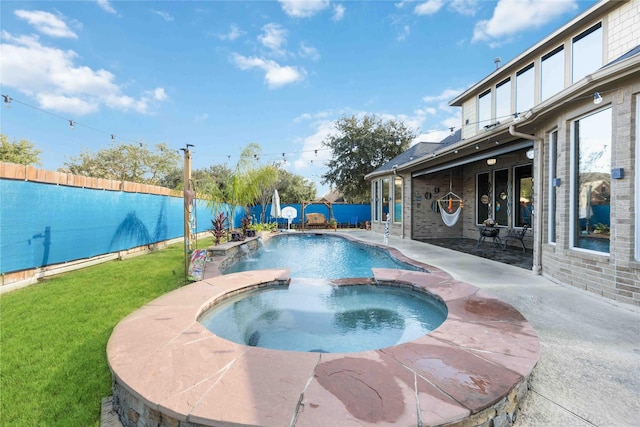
x=513, y=255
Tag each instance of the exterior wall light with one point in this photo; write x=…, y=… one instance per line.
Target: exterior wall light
x=530, y=154
x=491, y=162
x=597, y=98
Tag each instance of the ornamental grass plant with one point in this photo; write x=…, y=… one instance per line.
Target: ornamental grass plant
x=53, y=336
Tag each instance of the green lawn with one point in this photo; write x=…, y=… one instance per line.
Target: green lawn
x=53, y=336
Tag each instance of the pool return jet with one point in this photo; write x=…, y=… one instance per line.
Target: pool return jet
x=447, y=203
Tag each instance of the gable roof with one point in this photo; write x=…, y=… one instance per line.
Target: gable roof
x=414, y=152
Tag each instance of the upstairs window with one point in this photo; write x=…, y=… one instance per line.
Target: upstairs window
x=484, y=109
x=586, y=53
x=525, y=89
x=552, y=73
x=503, y=100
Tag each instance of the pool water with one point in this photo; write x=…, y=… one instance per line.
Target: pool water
x=313, y=315
x=318, y=256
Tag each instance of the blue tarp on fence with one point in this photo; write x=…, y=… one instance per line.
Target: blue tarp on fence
x=43, y=224
x=343, y=213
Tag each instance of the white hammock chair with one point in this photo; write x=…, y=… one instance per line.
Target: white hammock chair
x=448, y=214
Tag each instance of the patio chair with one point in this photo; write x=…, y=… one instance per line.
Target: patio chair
x=354, y=222
x=517, y=235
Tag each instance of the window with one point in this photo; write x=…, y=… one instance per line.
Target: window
x=385, y=198
x=523, y=189
x=484, y=109
x=592, y=181
x=525, y=87
x=376, y=200
x=552, y=73
x=483, y=202
x=503, y=100
x=553, y=185
x=397, y=199
x=501, y=204
x=586, y=53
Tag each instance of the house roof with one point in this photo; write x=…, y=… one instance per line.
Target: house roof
x=414, y=152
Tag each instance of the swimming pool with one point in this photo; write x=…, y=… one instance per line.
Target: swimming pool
x=319, y=256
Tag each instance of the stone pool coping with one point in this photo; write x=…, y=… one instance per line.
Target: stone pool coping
x=170, y=369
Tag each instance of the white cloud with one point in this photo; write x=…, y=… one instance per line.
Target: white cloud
x=309, y=52
x=404, y=33
x=303, y=8
x=338, y=12
x=46, y=23
x=446, y=95
x=106, y=6
x=308, y=157
x=52, y=76
x=510, y=17
x=276, y=75
x=429, y=7
x=165, y=15
x=274, y=37
x=233, y=33
x=201, y=117
x=464, y=7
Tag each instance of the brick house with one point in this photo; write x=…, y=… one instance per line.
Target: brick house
x=548, y=140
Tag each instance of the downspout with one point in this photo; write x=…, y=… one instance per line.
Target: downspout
x=538, y=147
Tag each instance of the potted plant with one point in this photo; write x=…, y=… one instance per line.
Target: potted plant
x=489, y=229
x=333, y=224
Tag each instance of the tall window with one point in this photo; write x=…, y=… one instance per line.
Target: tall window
x=523, y=191
x=552, y=73
x=483, y=202
x=397, y=199
x=502, y=200
x=503, y=100
x=525, y=87
x=586, y=52
x=484, y=109
x=592, y=181
x=386, y=193
x=637, y=227
x=376, y=200
x=553, y=189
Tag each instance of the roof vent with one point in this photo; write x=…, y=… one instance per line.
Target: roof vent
x=497, y=61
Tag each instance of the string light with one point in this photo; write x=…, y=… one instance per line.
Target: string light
x=597, y=98
x=7, y=101
x=72, y=124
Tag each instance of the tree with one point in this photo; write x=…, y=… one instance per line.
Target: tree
x=359, y=147
x=21, y=152
x=245, y=185
x=126, y=162
x=295, y=188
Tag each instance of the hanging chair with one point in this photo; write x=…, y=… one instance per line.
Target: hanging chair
x=447, y=212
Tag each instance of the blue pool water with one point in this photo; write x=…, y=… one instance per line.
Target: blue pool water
x=318, y=256
x=312, y=315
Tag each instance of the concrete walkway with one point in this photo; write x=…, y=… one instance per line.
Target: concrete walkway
x=589, y=368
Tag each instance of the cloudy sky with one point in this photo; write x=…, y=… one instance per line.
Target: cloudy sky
x=222, y=74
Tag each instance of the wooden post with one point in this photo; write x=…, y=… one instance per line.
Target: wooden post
x=187, y=197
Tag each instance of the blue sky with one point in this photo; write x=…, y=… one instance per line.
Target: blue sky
x=220, y=75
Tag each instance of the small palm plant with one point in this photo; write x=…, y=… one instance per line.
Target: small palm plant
x=219, y=228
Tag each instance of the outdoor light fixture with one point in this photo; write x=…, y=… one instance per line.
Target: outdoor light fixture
x=530, y=153
x=477, y=147
x=72, y=124
x=491, y=161
x=597, y=98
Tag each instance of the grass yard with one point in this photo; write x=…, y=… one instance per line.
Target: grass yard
x=53, y=336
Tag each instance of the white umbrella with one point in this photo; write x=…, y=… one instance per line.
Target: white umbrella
x=275, y=205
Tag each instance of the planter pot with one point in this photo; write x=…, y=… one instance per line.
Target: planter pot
x=251, y=233
x=236, y=236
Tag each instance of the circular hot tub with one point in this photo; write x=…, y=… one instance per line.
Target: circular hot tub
x=168, y=368
x=320, y=316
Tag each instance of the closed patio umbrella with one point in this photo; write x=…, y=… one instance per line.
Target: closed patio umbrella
x=276, y=212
